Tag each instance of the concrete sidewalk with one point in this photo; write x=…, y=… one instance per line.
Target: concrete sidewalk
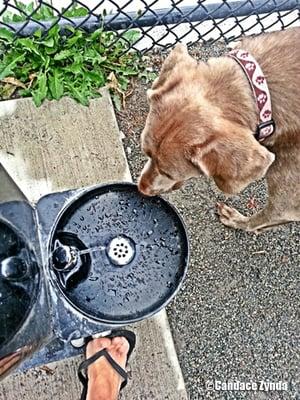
x=59, y=146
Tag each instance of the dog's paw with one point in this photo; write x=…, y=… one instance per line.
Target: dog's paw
x=231, y=217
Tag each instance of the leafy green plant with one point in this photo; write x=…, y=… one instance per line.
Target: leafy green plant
x=40, y=12
x=74, y=64
x=43, y=12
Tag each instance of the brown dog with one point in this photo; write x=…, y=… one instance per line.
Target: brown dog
x=202, y=120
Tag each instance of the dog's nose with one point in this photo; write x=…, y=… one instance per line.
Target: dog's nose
x=144, y=188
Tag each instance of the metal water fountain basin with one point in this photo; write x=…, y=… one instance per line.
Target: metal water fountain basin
x=105, y=256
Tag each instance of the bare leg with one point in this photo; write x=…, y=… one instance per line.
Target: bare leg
x=104, y=382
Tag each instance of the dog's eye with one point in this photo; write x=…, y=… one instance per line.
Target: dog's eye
x=169, y=176
x=166, y=174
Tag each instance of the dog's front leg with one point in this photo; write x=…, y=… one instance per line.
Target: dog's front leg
x=283, y=201
x=266, y=219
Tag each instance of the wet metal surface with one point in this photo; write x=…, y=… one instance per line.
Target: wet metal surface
x=18, y=282
x=137, y=249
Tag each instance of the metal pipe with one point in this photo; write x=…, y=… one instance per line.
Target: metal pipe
x=199, y=13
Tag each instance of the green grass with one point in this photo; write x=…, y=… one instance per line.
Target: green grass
x=74, y=64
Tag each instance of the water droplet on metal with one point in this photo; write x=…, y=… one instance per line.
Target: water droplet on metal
x=112, y=292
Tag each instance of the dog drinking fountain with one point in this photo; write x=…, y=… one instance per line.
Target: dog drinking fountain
x=80, y=263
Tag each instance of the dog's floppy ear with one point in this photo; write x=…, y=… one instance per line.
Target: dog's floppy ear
x=233, y=161
x=179, y=55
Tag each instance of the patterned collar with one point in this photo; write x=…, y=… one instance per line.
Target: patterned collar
x=258, y=83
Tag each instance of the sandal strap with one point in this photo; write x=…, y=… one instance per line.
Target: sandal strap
x=130, y=336
x=115, y=365
x=85, y=364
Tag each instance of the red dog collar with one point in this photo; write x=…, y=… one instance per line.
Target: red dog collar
x=258, y=83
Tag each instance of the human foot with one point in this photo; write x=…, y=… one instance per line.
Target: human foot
x=104, y=380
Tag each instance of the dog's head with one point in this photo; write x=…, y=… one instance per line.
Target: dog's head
x=187, y=135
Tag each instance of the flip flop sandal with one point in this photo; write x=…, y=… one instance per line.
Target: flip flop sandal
x=82, y=369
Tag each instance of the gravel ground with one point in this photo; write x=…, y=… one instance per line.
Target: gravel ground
x=236, y=317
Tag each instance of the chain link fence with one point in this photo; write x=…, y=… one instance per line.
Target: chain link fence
x=147, y=24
